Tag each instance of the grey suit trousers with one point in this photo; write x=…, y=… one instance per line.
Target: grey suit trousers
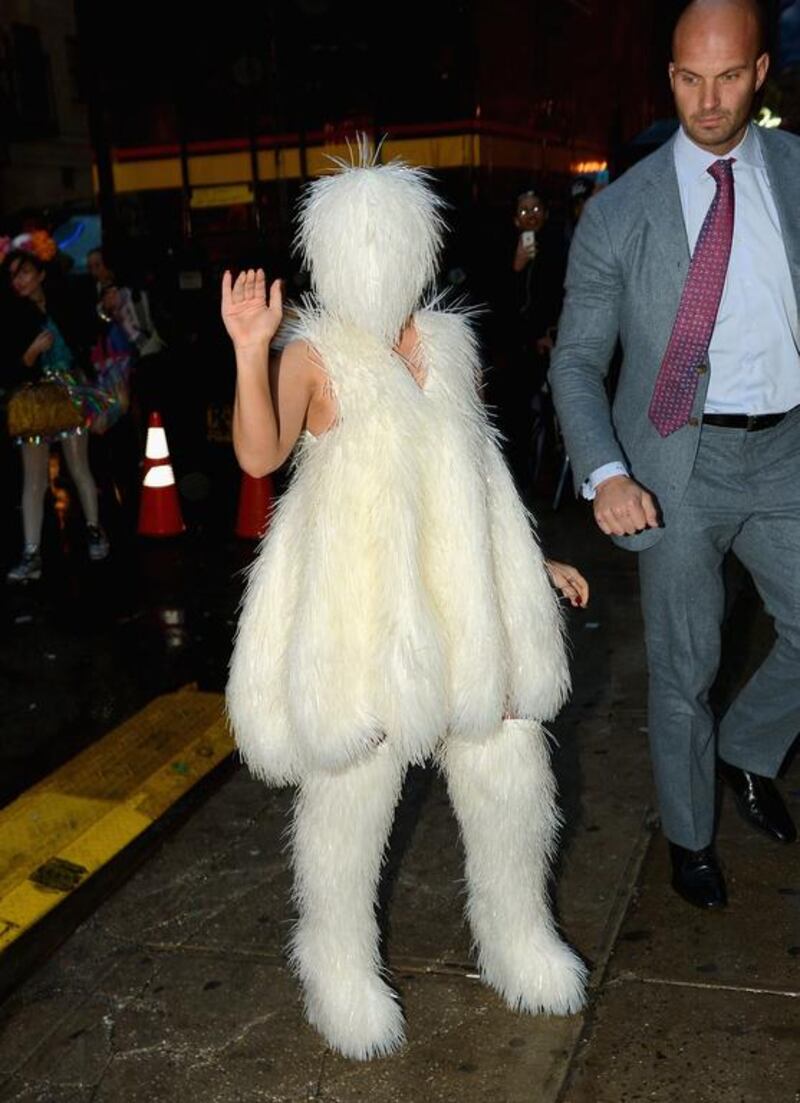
x=743, y=496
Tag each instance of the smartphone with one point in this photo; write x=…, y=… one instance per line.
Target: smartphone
x=529, y=240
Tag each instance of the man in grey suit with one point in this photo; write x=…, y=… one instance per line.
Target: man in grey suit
x=692, y=259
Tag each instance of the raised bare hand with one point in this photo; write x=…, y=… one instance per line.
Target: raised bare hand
x=622, y=507
x=249, y=319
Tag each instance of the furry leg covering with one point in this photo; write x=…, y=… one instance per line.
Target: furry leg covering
x=342, y=822
x=503, y=793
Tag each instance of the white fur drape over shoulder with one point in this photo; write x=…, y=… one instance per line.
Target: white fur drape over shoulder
x=400, y=593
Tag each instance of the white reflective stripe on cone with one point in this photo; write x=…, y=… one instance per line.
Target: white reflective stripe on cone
x=156, y=446
x=160, y=476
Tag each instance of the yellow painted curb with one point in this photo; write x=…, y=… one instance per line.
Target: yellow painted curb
x=60, y=832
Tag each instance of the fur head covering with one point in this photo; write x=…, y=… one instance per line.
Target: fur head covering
x=370, y=235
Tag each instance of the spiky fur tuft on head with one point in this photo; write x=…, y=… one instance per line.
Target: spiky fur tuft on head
x=371, y=235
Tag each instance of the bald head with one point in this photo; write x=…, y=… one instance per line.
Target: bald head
x=717, y=67
x=703, y=17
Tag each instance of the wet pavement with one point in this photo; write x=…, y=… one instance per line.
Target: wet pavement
x=176, y=987
x=91, y=643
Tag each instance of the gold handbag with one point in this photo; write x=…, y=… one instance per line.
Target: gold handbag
x=43, y=409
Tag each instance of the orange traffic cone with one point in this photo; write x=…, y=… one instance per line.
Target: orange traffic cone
x=255, y=503
x=159, y=508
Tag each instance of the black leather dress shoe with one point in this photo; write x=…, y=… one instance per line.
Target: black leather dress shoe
x=696, y=877
x=759, y=802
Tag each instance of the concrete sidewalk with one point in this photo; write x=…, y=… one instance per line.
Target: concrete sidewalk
x=176, y=989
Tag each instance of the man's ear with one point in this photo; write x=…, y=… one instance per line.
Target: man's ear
x=762, y=68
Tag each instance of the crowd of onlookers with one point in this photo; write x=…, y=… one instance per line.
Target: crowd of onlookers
x=81, y=361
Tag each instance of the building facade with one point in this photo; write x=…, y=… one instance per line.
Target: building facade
x=204, y=128
x=45, y=152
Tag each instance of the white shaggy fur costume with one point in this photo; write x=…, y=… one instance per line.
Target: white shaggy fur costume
x=399, y=609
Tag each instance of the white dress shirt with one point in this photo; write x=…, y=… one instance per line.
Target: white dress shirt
x=754, y=355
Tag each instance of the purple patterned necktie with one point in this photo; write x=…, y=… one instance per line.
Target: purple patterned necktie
x=673, y=396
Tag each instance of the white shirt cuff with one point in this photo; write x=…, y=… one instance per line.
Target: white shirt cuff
x=599, y=475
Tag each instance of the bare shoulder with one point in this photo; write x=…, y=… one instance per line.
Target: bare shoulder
x=297, y=366
x=297, y=359
x=305, y=366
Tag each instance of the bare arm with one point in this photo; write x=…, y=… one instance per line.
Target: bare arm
x=40, y=344
x=272, y=399
x=270, y=407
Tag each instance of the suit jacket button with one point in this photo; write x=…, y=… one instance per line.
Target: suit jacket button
x=702, y=369
x=694, y=422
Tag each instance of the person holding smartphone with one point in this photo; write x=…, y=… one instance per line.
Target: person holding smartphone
x=538, y=266
x=529, y=219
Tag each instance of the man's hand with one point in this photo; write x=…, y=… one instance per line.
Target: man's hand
x=622, y=507
x=250, y=320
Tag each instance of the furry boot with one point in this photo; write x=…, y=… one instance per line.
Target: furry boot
x=503, y=793
x=342, y=822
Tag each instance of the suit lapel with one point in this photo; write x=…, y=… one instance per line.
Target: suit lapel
x=664, y=213
x=782, y=172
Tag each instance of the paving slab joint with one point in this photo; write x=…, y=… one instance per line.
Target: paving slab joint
x=625, y=892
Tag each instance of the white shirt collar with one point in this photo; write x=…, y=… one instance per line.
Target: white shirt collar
x=692, y=162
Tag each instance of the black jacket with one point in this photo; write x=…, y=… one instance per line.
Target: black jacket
x=21, y=322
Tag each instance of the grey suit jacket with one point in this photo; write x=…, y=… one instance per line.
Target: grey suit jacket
x=627, y=267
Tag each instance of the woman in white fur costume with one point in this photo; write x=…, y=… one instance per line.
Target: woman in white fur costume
x=399, y=608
